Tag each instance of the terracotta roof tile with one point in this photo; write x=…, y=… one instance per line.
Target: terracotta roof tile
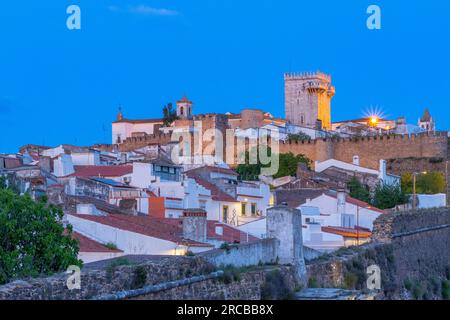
x=357, y=202
x=149, y=226
x=230, y=234
x=216, y=193
x=348, y=232
x=89, y=245
x=102, y=171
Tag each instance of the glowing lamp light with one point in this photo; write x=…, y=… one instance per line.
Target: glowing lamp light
x=373, y=120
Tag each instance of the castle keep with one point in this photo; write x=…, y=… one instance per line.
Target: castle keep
x=308, y=99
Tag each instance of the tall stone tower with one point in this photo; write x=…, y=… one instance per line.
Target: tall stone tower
x=184, y=108
x=308, y=99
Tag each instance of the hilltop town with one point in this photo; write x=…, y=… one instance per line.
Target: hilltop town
x=197, y=185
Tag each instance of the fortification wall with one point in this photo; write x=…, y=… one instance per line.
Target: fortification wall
x=372, y=149
x=409, y=247
x=263, y=251
x=175, y=278
x=133, y=143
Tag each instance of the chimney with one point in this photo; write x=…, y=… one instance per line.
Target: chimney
x=194, y=224
x=356, y=160
x=341, y=201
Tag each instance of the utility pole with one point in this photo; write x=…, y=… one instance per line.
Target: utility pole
x=357, y=225
x=414, y=190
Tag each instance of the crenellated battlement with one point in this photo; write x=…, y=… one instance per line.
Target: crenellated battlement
x=307, y=76
x=413, y=137
x=372, y=149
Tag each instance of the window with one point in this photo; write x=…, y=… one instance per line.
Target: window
x=253, y=209
x=181, y=111
x=202, y=204
x=243, y=209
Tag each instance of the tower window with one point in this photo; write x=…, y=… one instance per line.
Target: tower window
x=181, y=111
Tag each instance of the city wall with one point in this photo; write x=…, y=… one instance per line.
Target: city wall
x=409, y=247
x=369, y=149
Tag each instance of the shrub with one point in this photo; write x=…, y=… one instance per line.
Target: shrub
x=312, y=283
x=350, y=281
x=112, y=266
x=418, y=291
x=189, y=253
x=445, y=289
x=139, y=277
x=231, y=274
x=111, y=246
x=275, y=287
x=408, y=284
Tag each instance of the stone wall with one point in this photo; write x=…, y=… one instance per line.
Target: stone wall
x=171, y=276
x=372, y=149
x=262, y=251
x=247, y=288
x=407, y=246
x=106, y=278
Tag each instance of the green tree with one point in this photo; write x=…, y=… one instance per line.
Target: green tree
x=33, y=240
x=427, y=183
x=388, y=196
x=288, y=163
x=2, y=182
x=358, y=190
x=169, y=115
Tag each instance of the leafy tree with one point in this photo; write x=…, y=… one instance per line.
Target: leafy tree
x=169, y=115
x=429, y=183
x=33, y=241
x=7, y=182
x=358, y=190
x=388, y=196
x=288, y=163
x=2, y=182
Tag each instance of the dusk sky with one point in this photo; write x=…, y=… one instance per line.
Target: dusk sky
x=64, y=86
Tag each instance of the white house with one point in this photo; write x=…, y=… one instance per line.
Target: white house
x=381, y=173
x=330, y=221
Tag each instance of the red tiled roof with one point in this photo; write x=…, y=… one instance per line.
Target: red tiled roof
x=216, y=193
x=102, y=171
x=214, y=169
x=357, y=202
x=149, y=226
x=230, y=234
x=348, y=232
x=89, y=245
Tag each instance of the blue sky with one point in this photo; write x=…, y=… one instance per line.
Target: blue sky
x=61, y=86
